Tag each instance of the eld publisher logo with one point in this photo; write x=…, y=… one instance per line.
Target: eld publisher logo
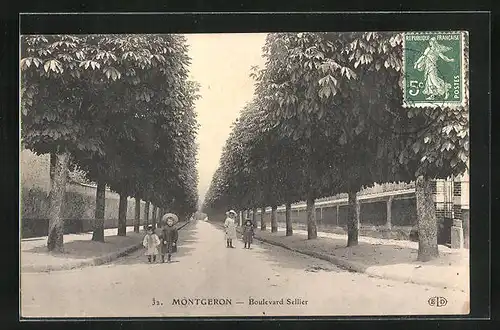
x=437, y=301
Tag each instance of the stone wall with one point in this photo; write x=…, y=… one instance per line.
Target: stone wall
x=78, y=207
x=404, y=213
x=396, y=232
x=78, y=210
x=373, y=217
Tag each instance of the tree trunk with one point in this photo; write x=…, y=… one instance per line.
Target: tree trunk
x=146, y=213
x=263, y=218
x=52, y=169
x=274, y=219
x=427, y=221
x=100, y=208
x=312, y=231
x=254, y=217
x=122, y=215
x=55, y=240
x=352, y=220
x=158, y=215
x=153, y=217
x=288, y=219
x=161, y=212
x=137, y=218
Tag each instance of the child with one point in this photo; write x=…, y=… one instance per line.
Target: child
x=248, y=233
x=169, y=236
x=230, y=227
x=151, y=242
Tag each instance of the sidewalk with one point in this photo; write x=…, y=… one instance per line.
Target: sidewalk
x=79, y=250
x=383, y=258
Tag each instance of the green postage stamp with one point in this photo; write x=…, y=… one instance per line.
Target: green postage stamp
x=434, y=69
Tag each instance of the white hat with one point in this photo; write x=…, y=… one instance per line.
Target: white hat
x=232, y=211
x=169, y=215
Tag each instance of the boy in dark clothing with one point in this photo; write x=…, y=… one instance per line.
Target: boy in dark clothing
x=169, y=236
x=248, y=233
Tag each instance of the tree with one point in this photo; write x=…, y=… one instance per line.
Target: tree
x=137, y=215
x=427, y=142
x=100, y=208
x=55, y=95
x=417, y=144
x=335, y=99
x=360, y=79
x=66, y=99
x=294, y=107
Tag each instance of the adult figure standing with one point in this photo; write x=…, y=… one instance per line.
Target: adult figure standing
x=230, y=227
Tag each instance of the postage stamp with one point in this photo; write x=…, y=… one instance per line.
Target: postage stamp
x=434, y=68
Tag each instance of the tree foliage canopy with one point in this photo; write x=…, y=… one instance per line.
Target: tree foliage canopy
x=122, y=105
x=327, y=118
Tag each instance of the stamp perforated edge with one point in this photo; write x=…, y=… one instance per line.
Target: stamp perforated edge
x=464, y=67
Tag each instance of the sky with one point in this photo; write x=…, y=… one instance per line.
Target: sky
x=221, y=64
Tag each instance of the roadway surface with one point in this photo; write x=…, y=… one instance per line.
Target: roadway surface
x=208, y=279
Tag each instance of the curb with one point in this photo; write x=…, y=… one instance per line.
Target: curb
x=357, y=267
x=86, y=263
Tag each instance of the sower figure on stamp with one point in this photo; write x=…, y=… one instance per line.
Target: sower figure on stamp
x=434, y=84
x=230, y=227
x=248, y=233
x=169, y=236
x=151, y=243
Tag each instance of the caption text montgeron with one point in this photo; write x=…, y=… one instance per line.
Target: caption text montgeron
x=228, y=301
x=201, y=301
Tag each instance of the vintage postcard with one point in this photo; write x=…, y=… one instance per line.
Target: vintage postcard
x=244, y=174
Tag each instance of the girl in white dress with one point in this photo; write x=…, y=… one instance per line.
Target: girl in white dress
x=230, y=227
x=151, y=242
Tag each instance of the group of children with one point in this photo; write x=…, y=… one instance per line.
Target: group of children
x=230, y=227
x=163, y=244
x=166, y=242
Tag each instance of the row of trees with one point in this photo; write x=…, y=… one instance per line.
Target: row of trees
x=121, y=107
x=327, y=118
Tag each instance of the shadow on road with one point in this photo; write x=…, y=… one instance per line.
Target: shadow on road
x=283, y=258
x=369, y=254
x=280, y=257
x=84, y=249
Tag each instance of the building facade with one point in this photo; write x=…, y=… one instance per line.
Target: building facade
x=389, y=211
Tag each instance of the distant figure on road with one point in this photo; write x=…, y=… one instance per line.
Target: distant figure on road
x=248, y=233
x=151, y=243
x=169, y=236
x=230, y=227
